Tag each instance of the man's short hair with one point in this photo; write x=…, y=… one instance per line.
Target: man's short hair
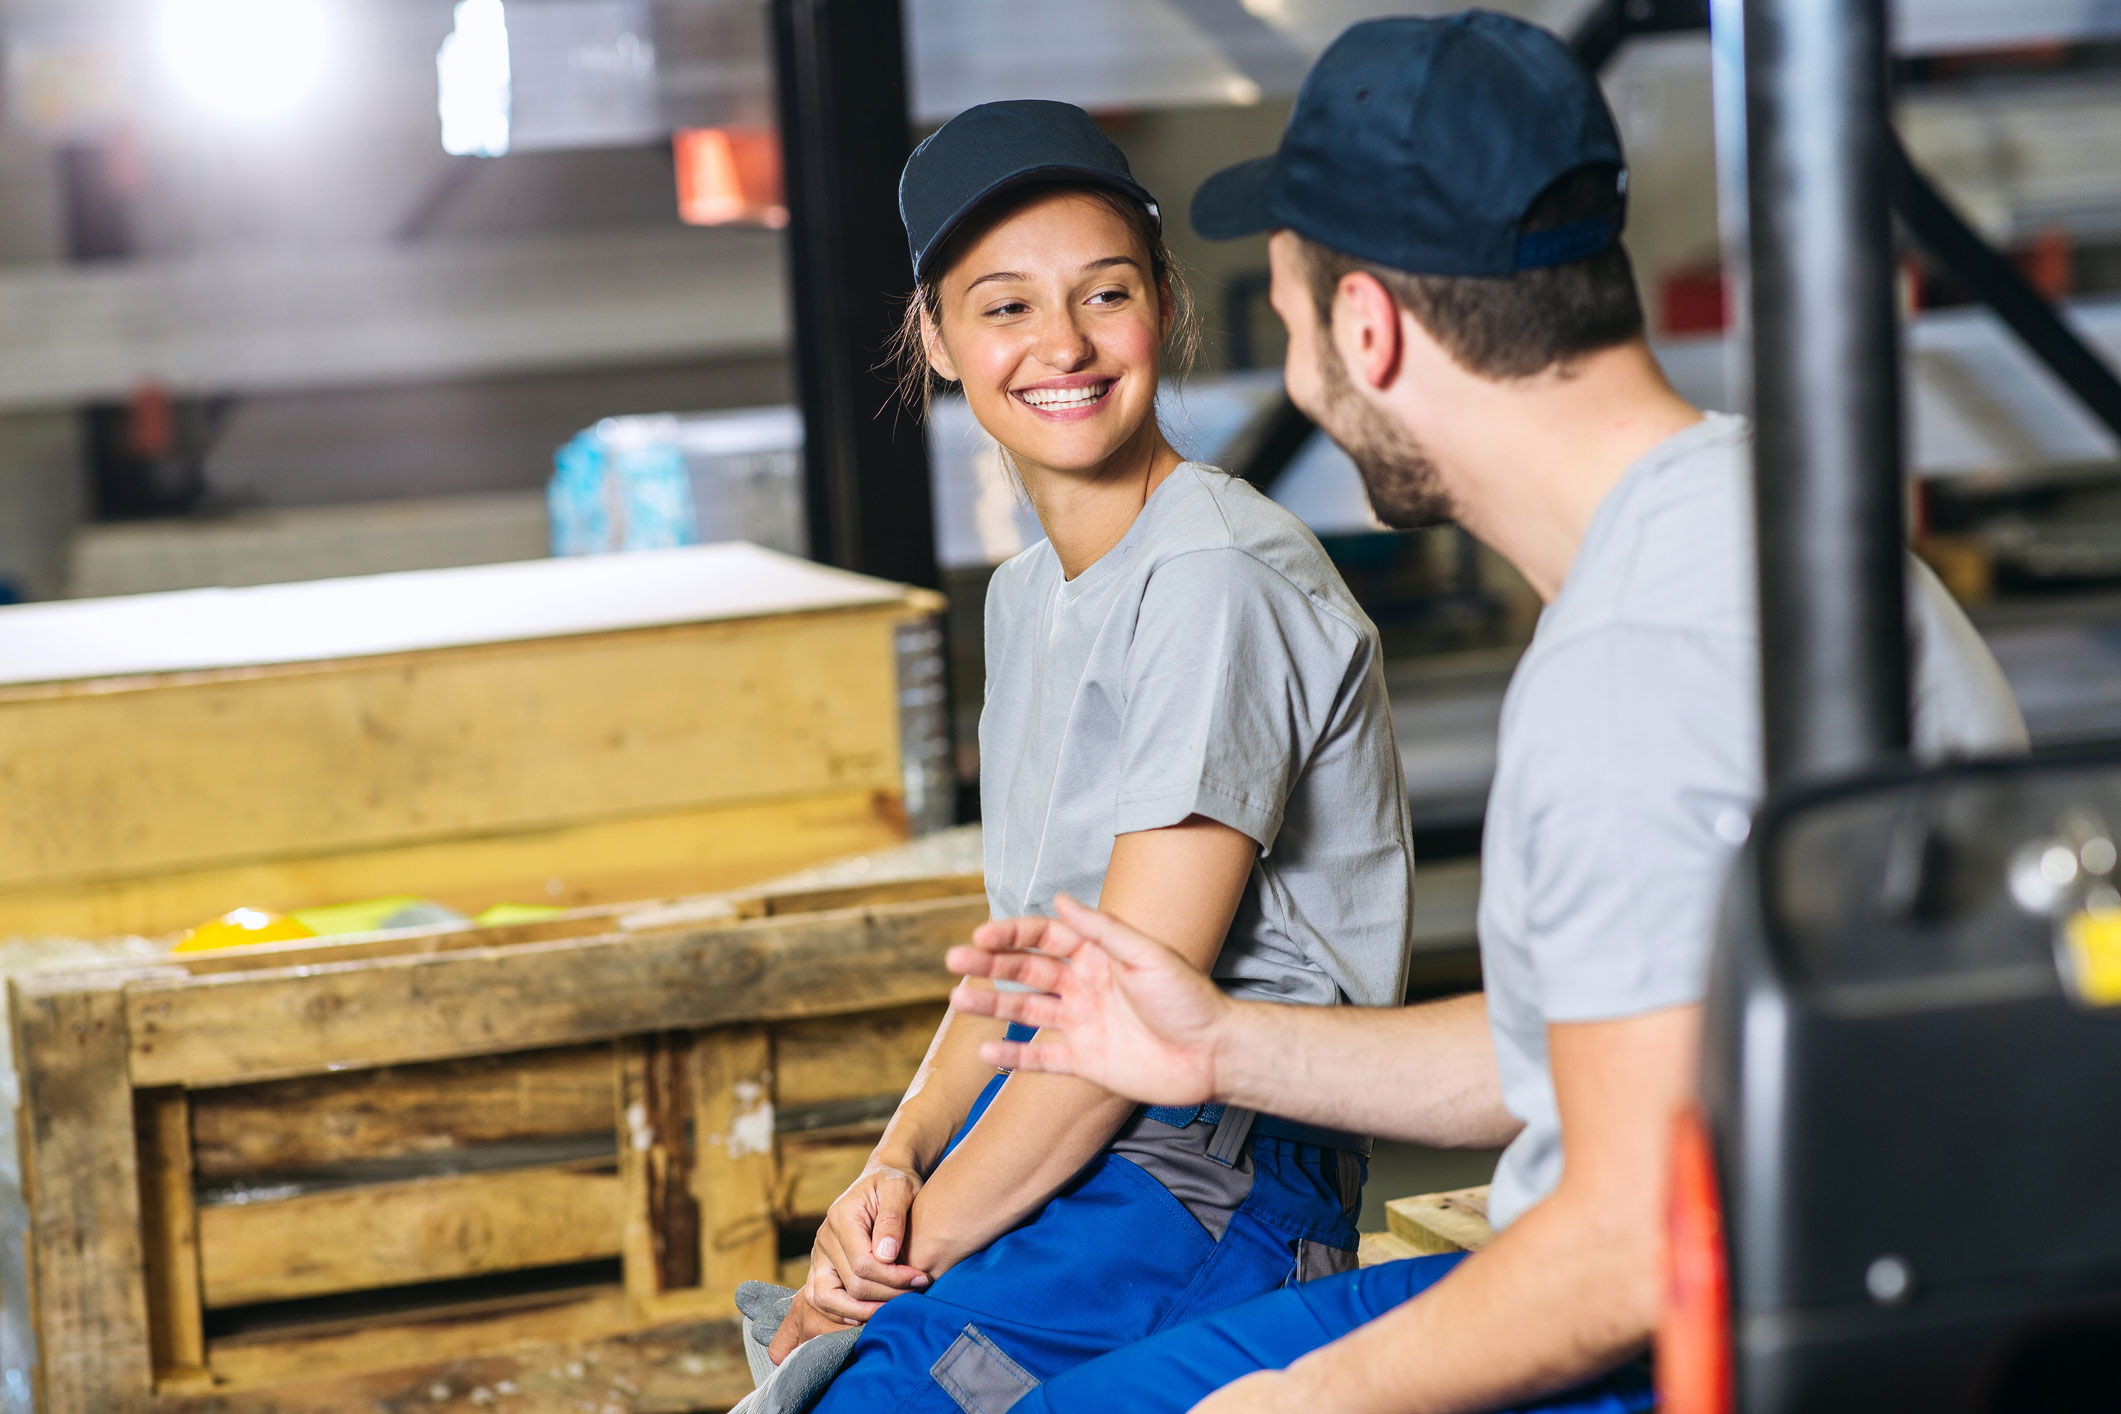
x=1521, y=324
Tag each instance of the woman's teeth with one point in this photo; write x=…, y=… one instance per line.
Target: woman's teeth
x=1065, y=397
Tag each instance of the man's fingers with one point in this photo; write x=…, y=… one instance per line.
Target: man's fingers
x=1032, y=1009
x=1030, y=968
x=1123, y=943
x=1038, y=1055
x=1033, y=934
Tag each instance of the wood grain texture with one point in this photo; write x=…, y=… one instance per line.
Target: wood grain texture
x=397, y=1234
x=169, y=1234
x=673, y=1369
x=835, y=1059
x=604, y=862
x=285, y=1022
x=364, y=1345
x=191, y=769
x=1375, y=1248
x=732, y=1090
x=1442, y=1222
x=286, y=1126
x=81, y=1183
x=660, y=1223
x=813, y=1175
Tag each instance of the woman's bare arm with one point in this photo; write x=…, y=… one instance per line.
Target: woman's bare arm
x=1182, y=884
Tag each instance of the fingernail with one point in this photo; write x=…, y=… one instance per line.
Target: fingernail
x=887, y=1250
x=920, y=1281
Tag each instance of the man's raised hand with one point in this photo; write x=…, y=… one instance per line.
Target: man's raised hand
x=1111, y=1006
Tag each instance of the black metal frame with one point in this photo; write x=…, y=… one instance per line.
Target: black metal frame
x=845, y=134
x=1944, y=235
x=1826, y=388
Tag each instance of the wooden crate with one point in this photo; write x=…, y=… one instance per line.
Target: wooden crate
x=518, y=1168
x=562, y=731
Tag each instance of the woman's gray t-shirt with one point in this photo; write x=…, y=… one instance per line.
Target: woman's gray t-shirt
x=1212, y=663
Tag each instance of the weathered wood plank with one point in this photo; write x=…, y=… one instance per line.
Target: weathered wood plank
x=672, y=1369
x=732, y=1079
x=813, y=1175
x=391, y=750
x=169, y=1233
x=780, y=904
x=289, y=1125
x=1375, y=1248
x=250, y=1026
x=834, y=1059
x=1442, y=1222
x=660, y=1227
x=81, y=1183
x=396, y=1234
x=604, y=862
x=364, y=1345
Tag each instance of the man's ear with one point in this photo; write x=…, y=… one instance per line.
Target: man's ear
x=938, y=352
x=1366, y=329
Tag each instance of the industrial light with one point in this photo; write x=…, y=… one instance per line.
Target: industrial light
x=474, y=81
x=246, y=60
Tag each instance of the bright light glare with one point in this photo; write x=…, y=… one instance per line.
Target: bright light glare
x=246, y=60
x=475, y=82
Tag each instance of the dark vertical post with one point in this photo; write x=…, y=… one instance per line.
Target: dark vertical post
x=1826, y=388
x=845, y=135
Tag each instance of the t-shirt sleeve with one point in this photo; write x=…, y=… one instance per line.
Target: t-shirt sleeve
x=1231, y=679
x=1637, y=799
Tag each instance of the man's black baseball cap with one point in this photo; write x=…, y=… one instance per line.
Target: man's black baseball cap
x=1419, y=143
x=996, y=148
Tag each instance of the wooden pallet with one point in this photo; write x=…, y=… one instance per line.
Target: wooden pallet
x=518, y=1168
x=1430, y=1225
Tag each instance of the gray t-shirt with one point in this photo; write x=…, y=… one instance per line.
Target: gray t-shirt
x=1211, y=663
x=1629, y=766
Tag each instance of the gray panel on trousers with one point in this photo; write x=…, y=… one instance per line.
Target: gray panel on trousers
x=978, y=1377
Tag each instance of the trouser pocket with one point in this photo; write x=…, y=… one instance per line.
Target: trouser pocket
x=978, y=1377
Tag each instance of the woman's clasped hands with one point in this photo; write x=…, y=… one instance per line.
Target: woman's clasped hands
x=854, y=1266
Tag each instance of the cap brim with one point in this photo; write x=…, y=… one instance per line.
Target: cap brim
x=1237, y=201
x=1052, y=175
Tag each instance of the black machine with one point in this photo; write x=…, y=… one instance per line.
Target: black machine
x=1904, y=1188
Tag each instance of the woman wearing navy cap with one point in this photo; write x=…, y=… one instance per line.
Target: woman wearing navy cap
x=1185, y=723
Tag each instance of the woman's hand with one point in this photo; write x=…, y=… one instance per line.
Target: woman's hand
x=801, y=1323
x=854, y=1267
x=863, y=1235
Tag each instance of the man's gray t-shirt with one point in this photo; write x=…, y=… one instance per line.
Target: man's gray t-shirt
x=1629, y=766
x=1211, y=663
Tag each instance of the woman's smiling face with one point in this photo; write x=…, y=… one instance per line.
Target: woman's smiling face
x=1052, y=323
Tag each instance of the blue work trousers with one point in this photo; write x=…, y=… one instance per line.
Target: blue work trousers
x=1111, y=1259
x=1175, y=1370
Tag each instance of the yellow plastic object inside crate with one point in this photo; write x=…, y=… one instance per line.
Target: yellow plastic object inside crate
x=2092, y=939
x=244, y=925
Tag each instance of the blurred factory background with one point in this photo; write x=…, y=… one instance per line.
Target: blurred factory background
x=298, y=290
x=304, y=288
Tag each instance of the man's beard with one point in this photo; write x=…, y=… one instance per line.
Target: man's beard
x=1405, y=488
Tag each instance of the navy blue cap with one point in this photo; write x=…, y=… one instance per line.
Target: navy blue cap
x=996, y=148
x=1419, y=143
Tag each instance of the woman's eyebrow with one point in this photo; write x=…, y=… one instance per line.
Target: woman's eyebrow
x=1110, y=261
x=1003, y=275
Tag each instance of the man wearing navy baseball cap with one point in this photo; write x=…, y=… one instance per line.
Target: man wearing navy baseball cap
x=1445, y=211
